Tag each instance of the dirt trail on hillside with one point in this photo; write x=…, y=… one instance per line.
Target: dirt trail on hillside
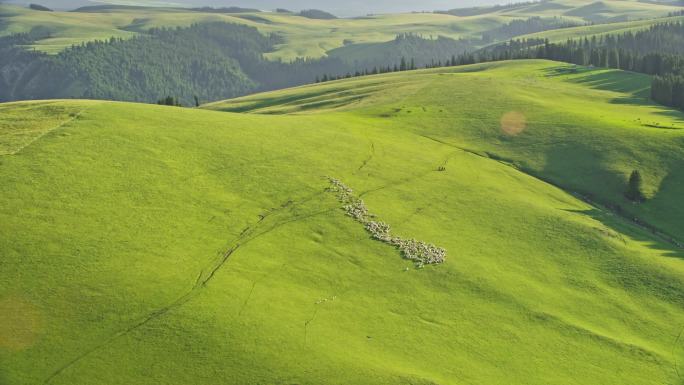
x=248, y=234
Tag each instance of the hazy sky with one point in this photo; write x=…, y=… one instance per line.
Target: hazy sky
x=339, y=7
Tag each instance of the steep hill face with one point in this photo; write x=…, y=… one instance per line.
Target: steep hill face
x=147, y=244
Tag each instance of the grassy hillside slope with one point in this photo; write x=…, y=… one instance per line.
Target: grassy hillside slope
x=564, y=34
x=586, y=144
x=309, y=37
x=304, y=37
x=147, y=244
x=598, y=11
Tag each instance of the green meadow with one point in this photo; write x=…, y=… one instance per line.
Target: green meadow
x=146, y=244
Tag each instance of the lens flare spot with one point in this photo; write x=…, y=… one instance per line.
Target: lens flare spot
x=513, y=123
x=20, y=323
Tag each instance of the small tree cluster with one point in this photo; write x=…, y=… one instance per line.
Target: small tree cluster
x=38, y=7
x=403, y=65
x=317, y=14
x=417, y=251
x=169, y=101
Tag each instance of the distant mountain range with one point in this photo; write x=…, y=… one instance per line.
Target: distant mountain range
x=345, y=9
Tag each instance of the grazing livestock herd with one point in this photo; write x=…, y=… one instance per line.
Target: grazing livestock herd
x=420, y=252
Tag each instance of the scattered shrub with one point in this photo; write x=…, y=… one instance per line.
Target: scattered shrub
x=38, y=7
x=169, y=101
x=317, y=14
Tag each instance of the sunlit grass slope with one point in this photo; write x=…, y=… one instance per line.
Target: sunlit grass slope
x=156, y=245
x=585, y=129
x=66, y=28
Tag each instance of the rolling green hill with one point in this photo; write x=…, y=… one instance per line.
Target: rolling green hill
x=147, y=244
x=305, y=37
x=597, y=11
x=561, y=35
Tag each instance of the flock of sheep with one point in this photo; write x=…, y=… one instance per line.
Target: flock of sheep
x=420, y=252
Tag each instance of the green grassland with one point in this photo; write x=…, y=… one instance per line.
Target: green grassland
x=475, y=101
x=308, y=37
x=596, y=11
x=561, y=35
x=158, y=245
x=303, y=37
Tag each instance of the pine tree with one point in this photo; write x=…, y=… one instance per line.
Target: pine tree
x=635, y=187
x=168, y=101
x=613, y=59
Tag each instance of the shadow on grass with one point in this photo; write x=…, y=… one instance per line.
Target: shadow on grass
x=255, y=18
x=338, y=96
x=635, y=86
x=678, y=116
x=605, y=79
x=630, y=100
x=628, y=270
x=621, y=226
x=585, y=171
x=137, y=25
x=270, y=102
x=668, y=199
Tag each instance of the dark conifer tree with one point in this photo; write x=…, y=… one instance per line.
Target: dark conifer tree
x=635, y=187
